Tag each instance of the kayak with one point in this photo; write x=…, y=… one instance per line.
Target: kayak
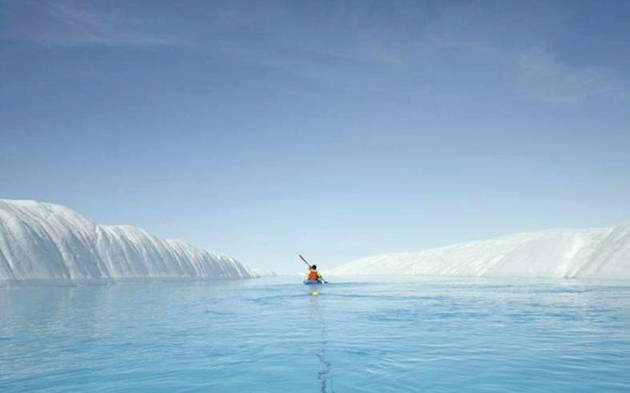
x=312, y=282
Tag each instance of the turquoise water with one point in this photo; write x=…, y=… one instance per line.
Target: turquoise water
x=422, y=335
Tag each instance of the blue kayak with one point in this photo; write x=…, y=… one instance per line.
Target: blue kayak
x=312, y=282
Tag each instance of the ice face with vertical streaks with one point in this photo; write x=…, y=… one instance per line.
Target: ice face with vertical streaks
x=561, y=253
x=49, y=241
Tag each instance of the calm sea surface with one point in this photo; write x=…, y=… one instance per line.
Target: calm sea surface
x=358, y=335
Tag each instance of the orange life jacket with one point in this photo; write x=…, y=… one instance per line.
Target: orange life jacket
x=312, y=275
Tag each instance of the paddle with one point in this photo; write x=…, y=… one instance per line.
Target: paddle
x=309, y=266
x=304, y=260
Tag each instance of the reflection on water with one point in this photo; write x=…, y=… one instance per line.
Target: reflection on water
x=324, y=374
x=367, y=335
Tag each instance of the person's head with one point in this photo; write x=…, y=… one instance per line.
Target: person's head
x=314, y=267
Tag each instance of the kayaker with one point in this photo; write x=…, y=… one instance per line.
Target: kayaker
x=313, y=274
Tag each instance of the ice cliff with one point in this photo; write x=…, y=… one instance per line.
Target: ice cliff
x=49, y=241
x=562, y=253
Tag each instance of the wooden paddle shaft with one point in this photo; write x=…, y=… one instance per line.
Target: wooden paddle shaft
x=305, y=261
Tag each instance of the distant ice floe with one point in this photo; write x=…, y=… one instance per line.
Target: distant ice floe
x=260, y=272
x=49, y=241
x=555, y=253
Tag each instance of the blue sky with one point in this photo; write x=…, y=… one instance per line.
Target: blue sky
x=337, y=129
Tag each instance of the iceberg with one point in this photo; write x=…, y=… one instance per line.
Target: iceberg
x=554, y=253
x=50, y=241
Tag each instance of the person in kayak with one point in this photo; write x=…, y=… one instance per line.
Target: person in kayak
x=313, y=274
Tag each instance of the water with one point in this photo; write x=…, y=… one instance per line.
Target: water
x=420, y=335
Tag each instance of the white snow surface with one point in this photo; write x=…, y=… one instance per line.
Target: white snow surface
x=49, y=241
x=260, y=272
x=554, y=253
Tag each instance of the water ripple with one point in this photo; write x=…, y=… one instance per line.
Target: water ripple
x=416, y=335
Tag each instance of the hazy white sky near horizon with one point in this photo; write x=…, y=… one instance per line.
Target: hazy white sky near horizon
x=333, y=129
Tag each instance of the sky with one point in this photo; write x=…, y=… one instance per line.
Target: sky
x=335, y=129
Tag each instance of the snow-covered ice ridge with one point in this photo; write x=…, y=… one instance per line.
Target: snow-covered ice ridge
x=49, y=241
x=560, y=253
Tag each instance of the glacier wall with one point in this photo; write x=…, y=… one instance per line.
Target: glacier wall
x=49, y=241
x=555, y=253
